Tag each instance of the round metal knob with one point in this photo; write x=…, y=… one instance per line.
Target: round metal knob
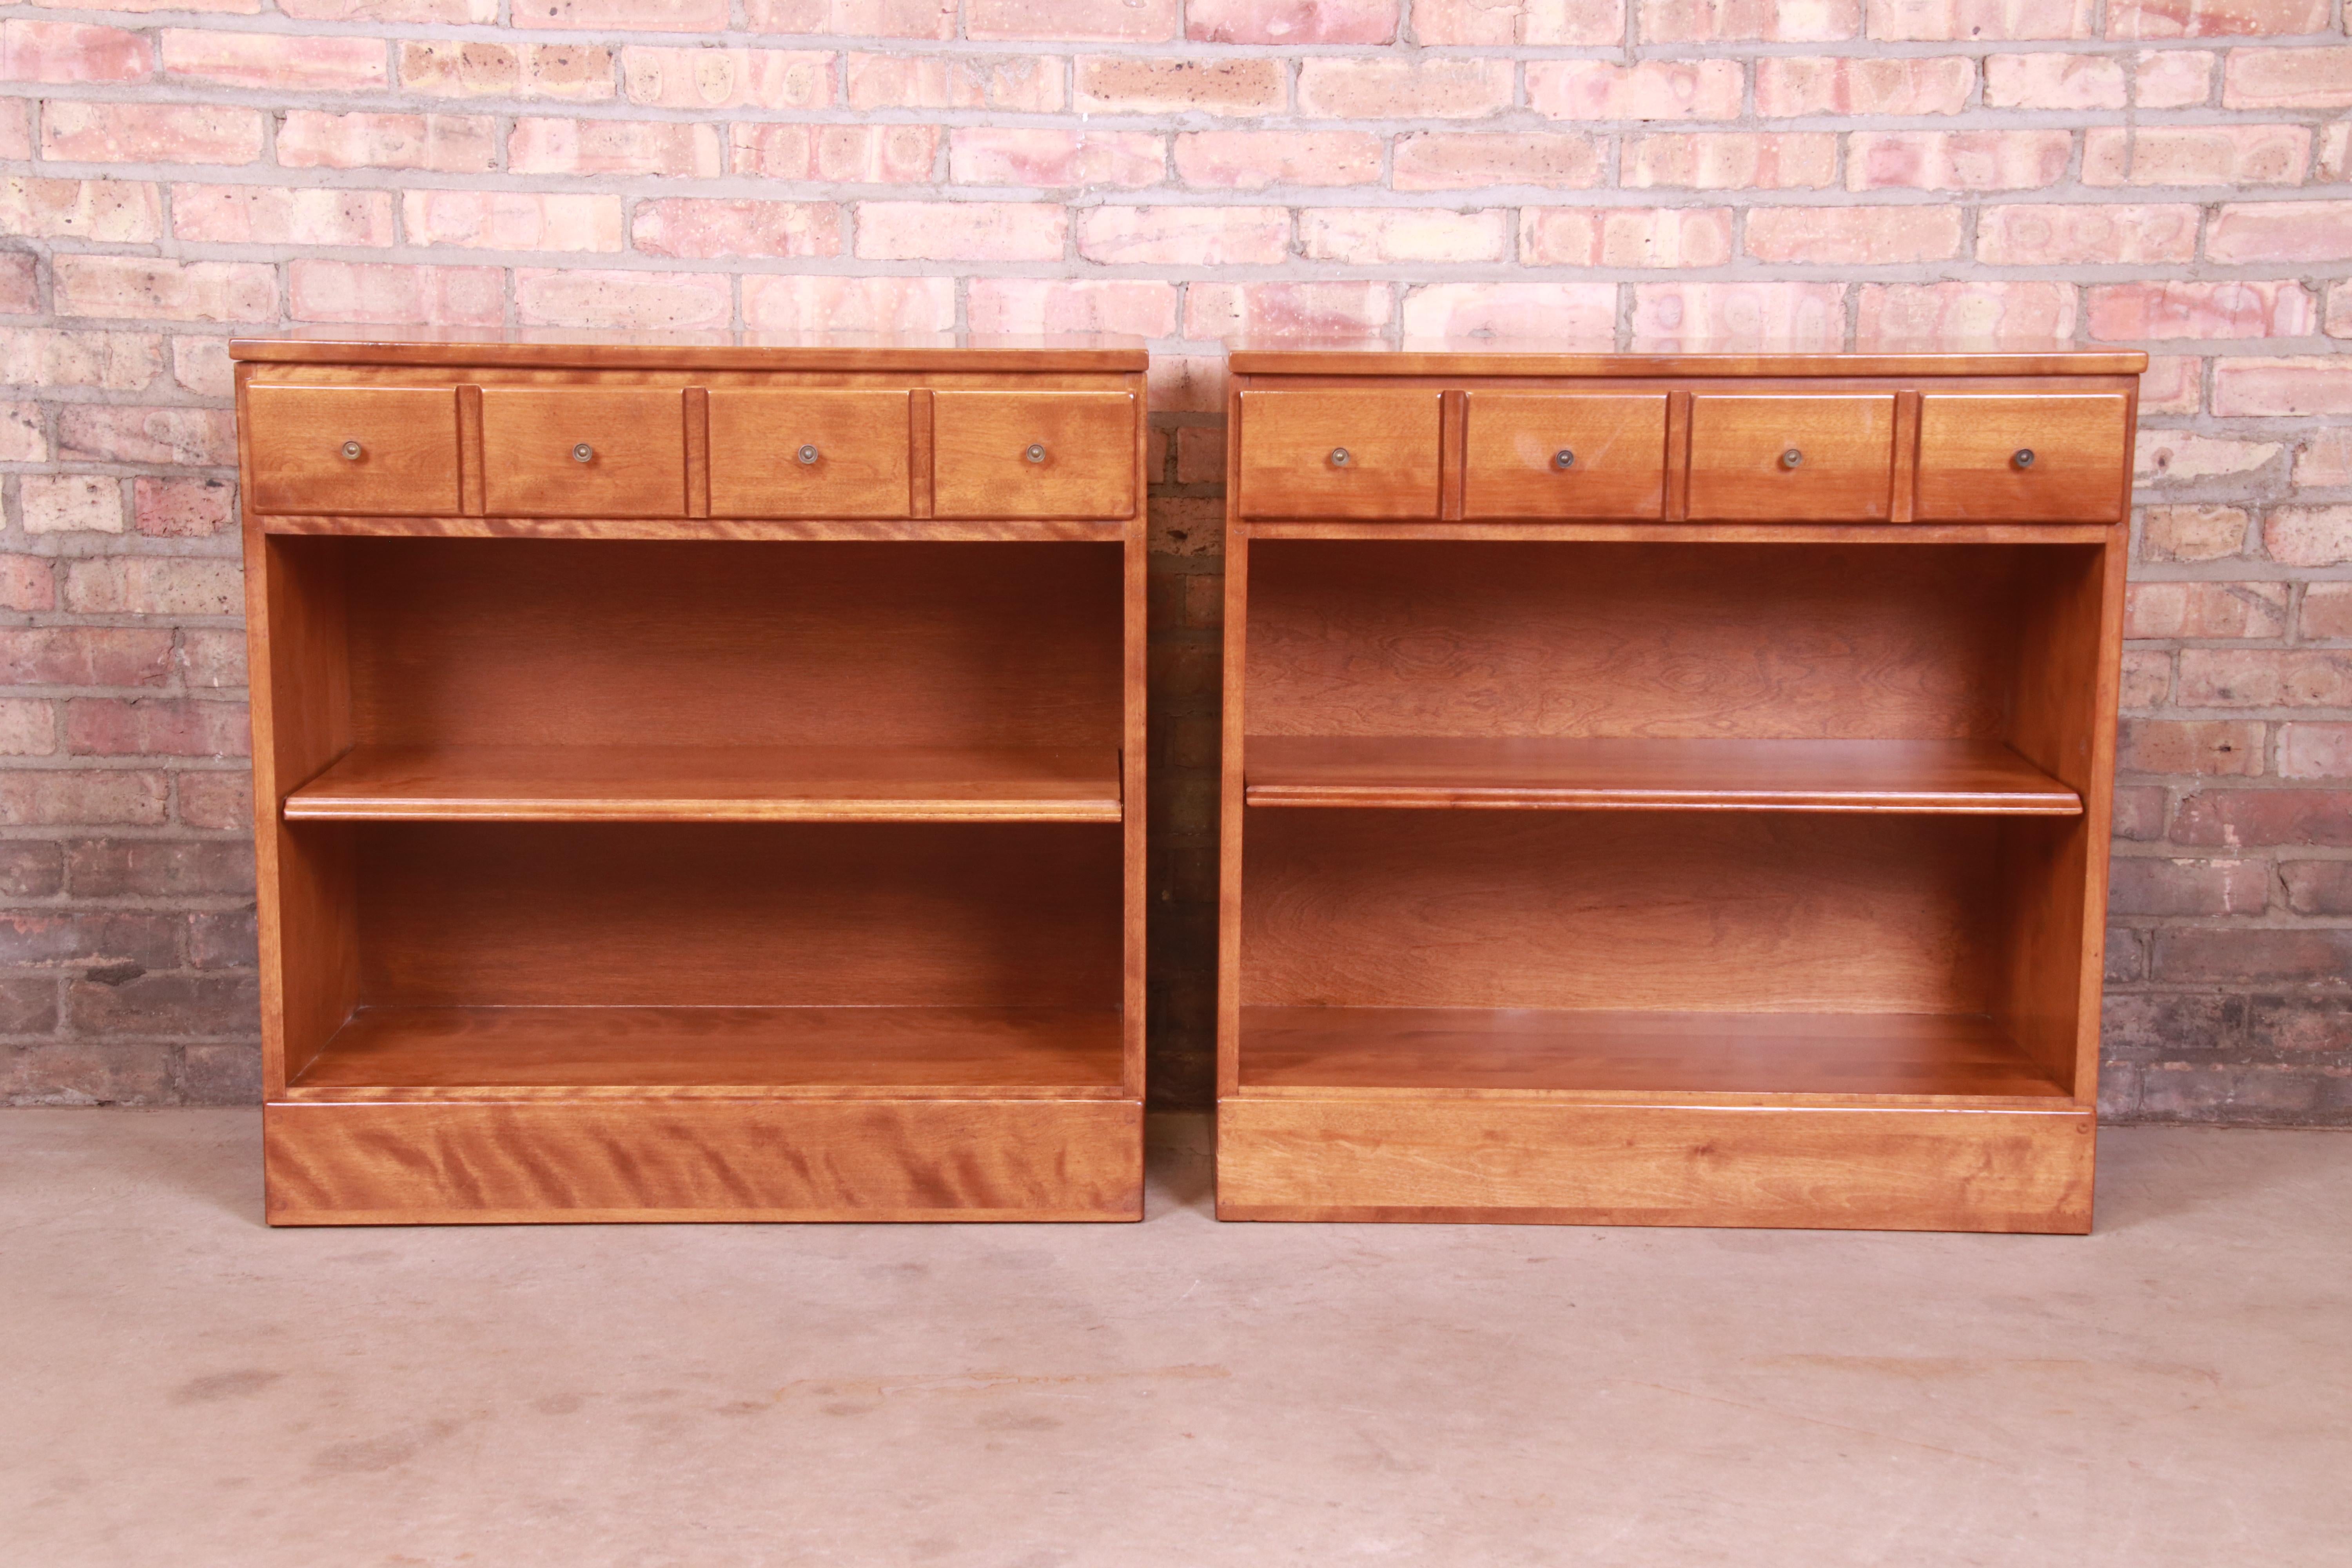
x=354, y=451
x=1339, y=456
x=2024, y=458
x=583, y=453
x=1036, y=452
x=806, y=454
x=1563, y=458
x=1791, y=458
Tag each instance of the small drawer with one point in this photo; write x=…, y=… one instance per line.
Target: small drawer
x=1539, y=454
x=1032, y=454
x=795, y=452
x=2054, y=459
x=584, y=451
x=1342, y=453
x=1792, y=459
x=386, y=451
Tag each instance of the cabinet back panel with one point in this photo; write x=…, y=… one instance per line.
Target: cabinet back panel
x=847, y=914
x=1764, y=642
x=1675, y=910
x=554, y=642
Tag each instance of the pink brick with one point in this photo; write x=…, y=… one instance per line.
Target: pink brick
x=1841, y=84
x=1801, y=317
x=70, y=503
x=1853, y=236
x=2196, y=156
x=1459, y=160
x=2052, y=82
x=2060, y=234
x=61, y=797
x=582, y=296
x=2192, y=532
x=45, y=356
x=71, y=52
x=21, y=439
x=1252, y=160
x=853, y=155
x=961, y=231
x=477, y=13
x=1184, y=235
x=324, y=290
x=2128, y=311
x=2309, y=535
x=1028, y=306
x=2214, y=18
x=2327, y=613
x=2287, y=78
x=1955, y=160
x=1072, y=21
x=808, y=303
x=2280, y=231
x=698, y=229
x=1048, y=158
x=1387, y=237
x=1439, y=89
x=154, y=585
x=475, y=68
x=1749, y=21
x=85, y=656
x=28, y=728
x=642, y=15
x=2339, y=312
x=2314, y=750
x=19, y=295
x=1920, y=311
x=1652, y=90
x=26, y=583
x=182, y=509
x=210, y=659
x=1029, y=84
x=1733, y=160
x=215, y=799
x=443, y=144
x=2172, y=383
x=853, y=18
x=276, y=62
x=16, y=129
x=143, y=287
x=2325, y=459
x=1291, y=21
x=117, y=211
x=1116, y=84
x=727, y=79
x=1213, y=310
x=1977, y=21
x=1568, y=313
x=86, y=133
x=512, y=220
x=271, y=215
x=201, y=365
x=155, y=726
x=2205, y=610
x=120, y=433
x=1625, y=236
x=2210, y=748
x=2335, y=152
x=2279, y=387
x=2264, y=678
x=539, y=146
x=2173, y=79
x=1530, y=22
x=2181, y=456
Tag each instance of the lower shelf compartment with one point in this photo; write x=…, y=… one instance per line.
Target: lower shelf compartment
x=410, y=1054
x=1469, y=1051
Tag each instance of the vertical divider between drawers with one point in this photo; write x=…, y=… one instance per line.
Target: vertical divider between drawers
x=470, y=451
x=919, y=452
x=697, y=452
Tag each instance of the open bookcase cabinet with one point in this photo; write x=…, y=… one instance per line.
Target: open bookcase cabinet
x=1668, y=789
x=698, y=783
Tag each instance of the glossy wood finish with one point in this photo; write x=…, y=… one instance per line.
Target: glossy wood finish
x=1292, y=465
x=1034, y=454
x=1615, y=447
x=1790, y=914
x=1990, y=458
x=1982, y=777
x=341, y=449
x=711, y=783
x=568, y=349
x=1687, y=358
x=584, y=451
x=856, y=443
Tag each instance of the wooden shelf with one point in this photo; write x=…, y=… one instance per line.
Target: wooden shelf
x=1791, y=1057
x=712, y=784
x=403, y=1054
x=1977, y=777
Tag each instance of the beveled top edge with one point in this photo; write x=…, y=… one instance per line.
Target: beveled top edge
x=551, y=349
x=1506, y=356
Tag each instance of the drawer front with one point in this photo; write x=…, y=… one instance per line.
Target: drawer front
x=387, y=451
x=1341, y=453
x=584, y=451
x=1032, y=454
x=808, y=454
x=1792, y=459
x=1539, y=454
x=2053, y=458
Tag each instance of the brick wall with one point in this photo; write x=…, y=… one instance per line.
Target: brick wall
x=2161, y=173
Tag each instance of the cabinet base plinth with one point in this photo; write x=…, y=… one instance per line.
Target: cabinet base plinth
x=458, y=1163
x=1457, y=1161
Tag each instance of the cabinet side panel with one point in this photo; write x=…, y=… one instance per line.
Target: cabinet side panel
x=1135, y=752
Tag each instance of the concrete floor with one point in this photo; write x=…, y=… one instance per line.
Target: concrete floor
x=188, y=1388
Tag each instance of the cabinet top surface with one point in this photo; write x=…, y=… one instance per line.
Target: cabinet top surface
x=1676, y=356
x=693, y=350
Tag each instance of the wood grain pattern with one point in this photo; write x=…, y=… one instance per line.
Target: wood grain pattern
x=1969, y=447
x=712, y=784
x=1739, y=447
x=917, y=530
x=1617, y=442
x=337, y=450
x=980, y=443
x=861, y=467
x=1288, y=440
x=1519, y=1164
x=1686, y=359
x=799, y=1160
x=1971, y=776
x=408, y=1054
x=994, y=354
x=635, y=439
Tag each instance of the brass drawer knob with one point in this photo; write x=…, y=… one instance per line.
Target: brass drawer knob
x=2024, y=458
x=1339, y=456
x=1563, y=458
x=583, y=453
x=807, y=455
x=1036, y=452
x=353, y=451
x=1791, y=458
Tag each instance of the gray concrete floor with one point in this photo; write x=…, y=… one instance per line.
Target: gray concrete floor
x=186, y=1387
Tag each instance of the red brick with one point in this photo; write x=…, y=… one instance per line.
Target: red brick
x=1625, y=236
x=220, y=800
x=2196, y=156
x=1749, y=21
x=583, y=297
x=853, y=154
x=1977, y=21
x=2213, y=18
x=1650, y=89
x=84, y=656
x=2219, y=955
x=77, y=941
x=2173, y=310
x=154, y=585
x=2318, y=887
x=2146, y=678
x=1291, y=21
x=703, y=79
x=1565, y=312
x=1200, y=460
x=512, y=220
x=961, y=231
x=82, y=131
x=2173, y=79
x=1920, y=311
x=164, y=1005
x=646, y=16
x=116, y=211
x=2053, y=81
x=1839, y=84
x=2139, y=813
x=2282, y=386
x=2315, y=751
x=475, y=68
x=2216, y=748
x=1853, y=236
x=2287, y=78
x=271, y=215
x=2147, y=885
x=2192, y=532
x=1288, y=310
x=698, y=229
x=2049, y=234
x=1536, y=23
x=1436, y=88
x=2309, y=535
x=211, y=660
x=65, y=52
x=2298, y=1023
x=157, y=868
x=70, y=503
x=26, y=583
x=1382, y=237
x=2327, y=613
x=28, y=1006
x=1184, y=235
x=442, y=143
x=1955, y=160
x=2280, y=231
x=1050, y=158
x=276, y=62
x=2206, y=610
x=323, y=290
x=2251, y=818
x=222, y=939
x=542, y=146
x=30, y=869
x=1458, y=160
x=1029, y=84
x=1072, y=21
x=138, y=726
x=1733, y=160
x=1028, y=306
x=813, y=303
x=2264, y=678
x=55, y=797
x=853, y=18
x=46, y=356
